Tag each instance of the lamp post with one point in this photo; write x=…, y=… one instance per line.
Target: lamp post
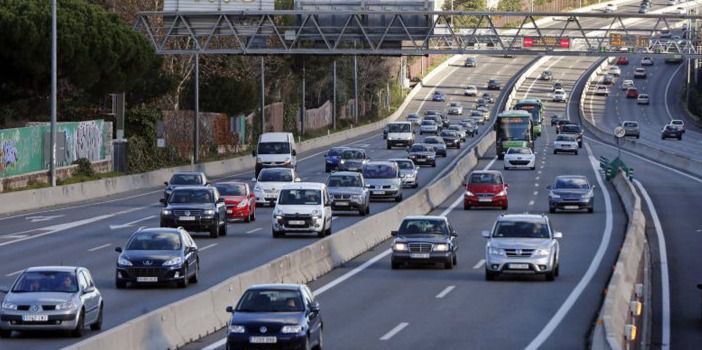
x=52, y=153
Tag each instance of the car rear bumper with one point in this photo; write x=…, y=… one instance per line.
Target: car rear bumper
x=234, y=213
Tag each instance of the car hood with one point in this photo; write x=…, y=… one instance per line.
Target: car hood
x=355, y=161
x=519, y=156
x=408, y=171
x=485, y=188
x=233, y=199
x=400, y=135
x=274, y=157
x=426, y=154
x=191, y=205
x=375, y=182
x=578, y=192
x=38, y=298
x=345, y=190
x=271, y=185
x=156, y=257
x=299, y=209
x=434, y=126
x=266, y=318
x=421, y=238
x=438, y=145
x=172, y=187
x=519, y=243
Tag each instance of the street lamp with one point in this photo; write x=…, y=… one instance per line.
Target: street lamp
x=52, y=153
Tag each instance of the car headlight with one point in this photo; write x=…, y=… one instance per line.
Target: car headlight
x=588, y=195
x=343, y=161
x=542, y=252
x=209, y=212
x=173, y=262
x=124, y=262
x=316, y=213
x=291, y=329
x=357, y=197
x=165, y=212
x=470, y=194
x=400, y=247
x=443, y=247
x=9, y=306
x=554, y=196
x=278, y=217
x=501, y=193
x=242, y=204
x=257, y=188
x=235, y=328
x=66, y=306
x=496, y=251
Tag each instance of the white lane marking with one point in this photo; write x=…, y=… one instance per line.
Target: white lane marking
x=334, y=218
x=537, y=178
x=431, y=91
x=535, y=79
x=351, y=273
x=536, y=193
x=207, y=247
x=14, y=236
x=394, y=331
x=665, y=278
x=99, y=247
x=444, y=292
x=531, y=202
x=480, y=264
x=592, y=269
x=41, y=218
x=536, y=184
x=538, y=172
x=129, y=224
x=254, y=230
x=14, y=273
x=667, y=87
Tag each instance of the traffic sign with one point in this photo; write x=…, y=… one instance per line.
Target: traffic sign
x=619, y=132
x=565, y=43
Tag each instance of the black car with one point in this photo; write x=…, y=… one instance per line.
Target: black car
x=560, y=123
x=488, y=97
x=451, y=138
x=196, y=209
x=352, y=159
x=671, y=131
x=425, y=240
x=571, y=192
x=438, y=143
x=555, y=118
x=573, y=129
x=493, y=84
x=184, y=178
x=284, y=315
x=158, y=255
x=420, y=153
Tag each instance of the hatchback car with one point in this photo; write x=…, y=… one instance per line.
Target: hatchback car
x=421, y=153
x=671, y=131
x=332, y=158
x=455, y=108
x=615, y=71
x=622, y=60
x=575, y=130
x=610, y=8
x=158, y=255
x=520, y=157
x=626, y=84
x=52, y=298
x=546, y=75
x=470, y=62
x=302, y=207
x=438, y=96
x=270, y=181
x=608, y=79
x=196, y=209
x=647, y=61
x=470, y=90
x=640, y=73
x=239, y=200
x=632, y=92
x=352, y=159
x=601, y=90
x=424, y=240
x=678, y=123
x=184, y=178
x=522, y=244
x=571, y=192
x=451, y=138
x=631, y=128
x=485, y=188
x=493, y=84
x=438, y=143
x=285, y=316
x=565, y=143
x=428, y=127
x=555, y=118
x=642, y=99
x=408, y=172
x=348, y=191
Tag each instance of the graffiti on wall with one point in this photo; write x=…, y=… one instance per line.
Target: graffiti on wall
x=88, y=140
x=8, y=154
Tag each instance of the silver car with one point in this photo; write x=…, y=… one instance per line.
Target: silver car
x=62, y=298
x=408, y=172
x=522, y=244
x=347, y=191
x=383, y=180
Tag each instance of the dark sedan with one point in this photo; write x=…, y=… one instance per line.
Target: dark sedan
x=196, y=209
x=451, y=138
x=184, y=178
x=438, y=96
x=571, y=192
x=671, y=131
x=352, y=159
x=421, y=153
x=424, y=240
x=158, y=255
x=438, y=144
x=280, y=316
x=493, y=84
x=332, y=158
x=573, y=129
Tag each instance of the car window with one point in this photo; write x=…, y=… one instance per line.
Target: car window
x=519, y=150
x=428, y=122
x=82, y=281
x=274, y=148
x=419, y=148
x=186, y=179
x=630, y=125
x=353, y=154
x=521, y=229
x=300, y=197
x=400, y=127
x=485, y=178
x=379, y=171
x=405, y=164
x=423, y=227
x=231, y=189
x=151, y=240
x=275, y=175
x=271, y=300
x=191, y=196
x=344, y=181
x=571, y=183
x=46, y=281
x=335, y=152
x=433, y=140
x=570, y=129
x=565, y=138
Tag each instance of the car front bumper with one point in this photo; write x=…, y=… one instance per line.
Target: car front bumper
x=199, y=224
x=519, y=265
x=400, y=142
x=163, y=274
x=515, y=163
x=474, y=201
x=405, y=257
x=570, y=204
x=282, y=341
x=57, y=321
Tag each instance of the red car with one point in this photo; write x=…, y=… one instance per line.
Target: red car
x=485, y=188
x=622, y=60
x=239, y=199
x=632, y=93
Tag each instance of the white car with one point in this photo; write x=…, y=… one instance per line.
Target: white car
x=460, y=130
x=428, y=127
x=303, y=207
x=626, y=84
x=559, y=96
x=610, y=8
x=671, y=2
x=614, y=70
x=678, y=124
x=455, y=108
x=640, y=73
x=647, y=61
x=681, y=10
x=269, y=183
x=520, y=157
x=642, y=99
x=601, y=90
x=565, y=143
x=471, y=90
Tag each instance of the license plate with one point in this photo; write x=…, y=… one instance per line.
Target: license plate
x=571, y=207
x=485, y=200
x=35, y=318
x=419, y=255
x=229, y=211
x=296, y=222
x=378, y=192
x=342, y=204
x=186, y=218
x=263, y=340
x=147, y=279
x=519, y=266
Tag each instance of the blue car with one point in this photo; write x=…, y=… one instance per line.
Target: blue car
x=284, y=316
x=438, y=96
x=332, y=158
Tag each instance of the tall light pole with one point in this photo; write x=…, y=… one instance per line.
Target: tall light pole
x=52, y=153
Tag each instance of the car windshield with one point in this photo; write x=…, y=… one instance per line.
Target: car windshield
x=271, y=300
x=191, y=196
x=399, y=127
x=186, y=179
x=630, y=125
x=570, y=129
x=571, y=183
x=46, y=281
x=521, y=229
x=300, y=197
x=344, y=181
x=485, y=178
x=274, y=148
x=448, y=133
x=379, y=171
x=519, y=151
x=154, y=241
x=423, y=227
x=565, y=138
x=454, y=104
x=405, y=164
x=433, y=140
x=277, y=175
x=353, y=154
x=428, y=122
x=335, y=152
x=231, y=189
x=419, y=148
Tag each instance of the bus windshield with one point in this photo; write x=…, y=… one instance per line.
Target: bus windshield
x=533, y=108
x=511, y=129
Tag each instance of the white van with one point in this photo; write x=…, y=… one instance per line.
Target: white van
x=303, y=207
x=400, y=134
x=275, y=149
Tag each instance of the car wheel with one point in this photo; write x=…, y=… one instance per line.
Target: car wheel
x=466, y=206
x=388, y=146
x=196, y=275
x=253, y=214
x=557, y=270
x=395, y=265
x=662, y=137
x=362, y=212
x=416, y=185
x=490, y=275
x=504, y=207
x=327, y=169
x=455, y=260
x=398, y=198
x=551, y=275
x=590, y=209
x=506, y=167
x=555, y=152
x=277, y=234
x=433, y=164
x=637, y=137
x=679, y=138
x=223, y=229
x=448, y=265
x=576, y=153
x=247, y=219
x=580, y=145
x=5, y=333
x=184, y=283
x=552, y=210
x=533, y=168
x=80, y=325
x=119, y=284
x=98, y=323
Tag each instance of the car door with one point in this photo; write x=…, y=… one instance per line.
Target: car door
x=220, y=207
x=88, y=296
x=314, y=320
x=190, y=250
x=327, y=207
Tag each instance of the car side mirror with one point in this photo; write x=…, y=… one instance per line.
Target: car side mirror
x=314, y=307
x=118, y=249
x=4, y=289
x=90, y=289
x=699, y=286
x=208, y=184
x=594, y=187
x=557, y=235
x=253, y=152
x=165, y=183
x=485, y=234
x=253, y=179
x=230, y=309
x=506, y=185
x=297, y=179
x=163, y=201
x=454, y=233
x=393, y=233
x=220, y=200
x=294, y=152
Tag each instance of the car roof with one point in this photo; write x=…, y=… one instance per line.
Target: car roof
x=399, y=122
x=277, y=169
x=188, y=173
x=494, y=172
x=231, y=183
x=381, y=162
x=356, y=148
x=304, y=186
x=400, y=160
x=52, y=268
x=182, y=188
x=425, y=217
x=276, y=137
x=344, y=173
x=571, y=177
x=523, y=217
x=287, y=286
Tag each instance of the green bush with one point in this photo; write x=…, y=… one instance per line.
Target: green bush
x=84, y=168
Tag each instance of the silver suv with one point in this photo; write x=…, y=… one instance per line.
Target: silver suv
x=522, y=244
x=60, y=298
x=348, y=191
x=631, y=128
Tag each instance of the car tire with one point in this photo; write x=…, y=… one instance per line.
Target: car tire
x=637, y=137
x=490, y=275
x=551, y=275
x=388, y=146
x=253, y=214
x=120, y=284
x=98, y=323
x=662, y=137
x=679, y=138
x=214, y=231
x=327, y=169
x=506, y=167
x=80, y=325
x=590, y=209
x=416, y=185
x=394, y=265
x=433, y=164
x=5, y=333
x=552, y=210
x=223, y=229
x=454, y=261
x=184, y=283
x=196, y=275
x=580, y=144
x=505, y=207
x=247, y=219
x=277, y=234
x=557, y=270
x=363, y=211
x=398, y=198
x=448, y=265
x=555, y=152
x=320, y=342
x=533, y=168
x=576, y=153
x=466, y=206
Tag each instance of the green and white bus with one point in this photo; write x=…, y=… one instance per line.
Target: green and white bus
x=536, y=108
x=513, y=129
